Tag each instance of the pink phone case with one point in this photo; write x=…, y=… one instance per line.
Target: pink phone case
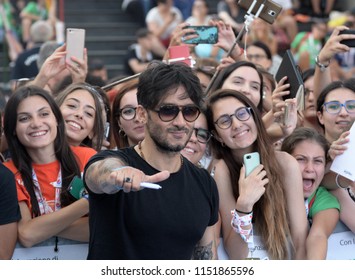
x=179, y=52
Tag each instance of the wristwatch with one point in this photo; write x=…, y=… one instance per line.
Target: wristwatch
x=321, y=66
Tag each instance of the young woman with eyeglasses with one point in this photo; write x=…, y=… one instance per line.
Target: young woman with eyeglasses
x=336, y=123
x=196, y=149
x=336, y=113
x=270, y=198
x=246, y=77
x=126, y=129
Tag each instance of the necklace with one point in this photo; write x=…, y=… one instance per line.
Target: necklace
x=143, y=157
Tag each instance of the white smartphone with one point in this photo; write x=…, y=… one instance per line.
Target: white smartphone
x=75, y=43
x=251, y=161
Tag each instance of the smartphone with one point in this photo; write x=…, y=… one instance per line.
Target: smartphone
x=286, y=118
x=75, y=43
x=107, y=131
x=289, y=68
x=349, y=42
x=180, y=54
x=251, y=161
x=76, y=188
x=206, y=35
x=269, y=13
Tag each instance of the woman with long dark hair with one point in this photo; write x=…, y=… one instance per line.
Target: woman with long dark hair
x=44, y=165
x=270, y=198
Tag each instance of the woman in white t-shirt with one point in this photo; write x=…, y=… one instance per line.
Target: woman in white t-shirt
x=163, y=19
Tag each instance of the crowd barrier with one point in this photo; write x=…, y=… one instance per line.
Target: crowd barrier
x=52, y=249
x=341, y=246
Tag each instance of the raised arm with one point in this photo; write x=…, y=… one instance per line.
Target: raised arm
x=322, y=75
x=234, y=245
x=56, y=63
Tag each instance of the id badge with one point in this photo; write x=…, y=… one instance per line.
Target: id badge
x=250, y=255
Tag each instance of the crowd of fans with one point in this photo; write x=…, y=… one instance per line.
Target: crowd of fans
x=70, y=122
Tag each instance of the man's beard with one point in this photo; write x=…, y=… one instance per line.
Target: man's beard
x=164, y=146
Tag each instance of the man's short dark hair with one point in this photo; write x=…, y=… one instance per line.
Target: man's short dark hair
x=160, y=79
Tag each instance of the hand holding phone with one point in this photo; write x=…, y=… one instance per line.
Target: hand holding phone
x=206, y=35
x=349, y=42
x=269, y=12
x=251, y=161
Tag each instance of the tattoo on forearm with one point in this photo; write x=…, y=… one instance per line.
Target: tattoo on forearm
x=203, y=252
x=108, y=165
x=98, y=172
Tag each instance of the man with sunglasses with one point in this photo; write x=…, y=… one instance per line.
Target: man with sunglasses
x=129, y=221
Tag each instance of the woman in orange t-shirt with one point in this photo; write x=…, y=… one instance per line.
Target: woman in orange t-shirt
x=44, y=165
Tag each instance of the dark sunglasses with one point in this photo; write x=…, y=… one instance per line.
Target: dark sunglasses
x=202, y=135
x=169, y=112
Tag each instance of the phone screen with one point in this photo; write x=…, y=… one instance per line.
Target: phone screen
x=206, y=35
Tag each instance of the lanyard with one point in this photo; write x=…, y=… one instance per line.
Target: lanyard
x=42, y=203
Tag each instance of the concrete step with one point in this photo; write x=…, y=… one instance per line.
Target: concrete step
x=109, y=57
x=96, y=16
x=109, y=42
x=93, y=4
x=109, y=32
x=106, y=28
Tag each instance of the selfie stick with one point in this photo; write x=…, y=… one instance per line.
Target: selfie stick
x=249, y=17
x=109, y=86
